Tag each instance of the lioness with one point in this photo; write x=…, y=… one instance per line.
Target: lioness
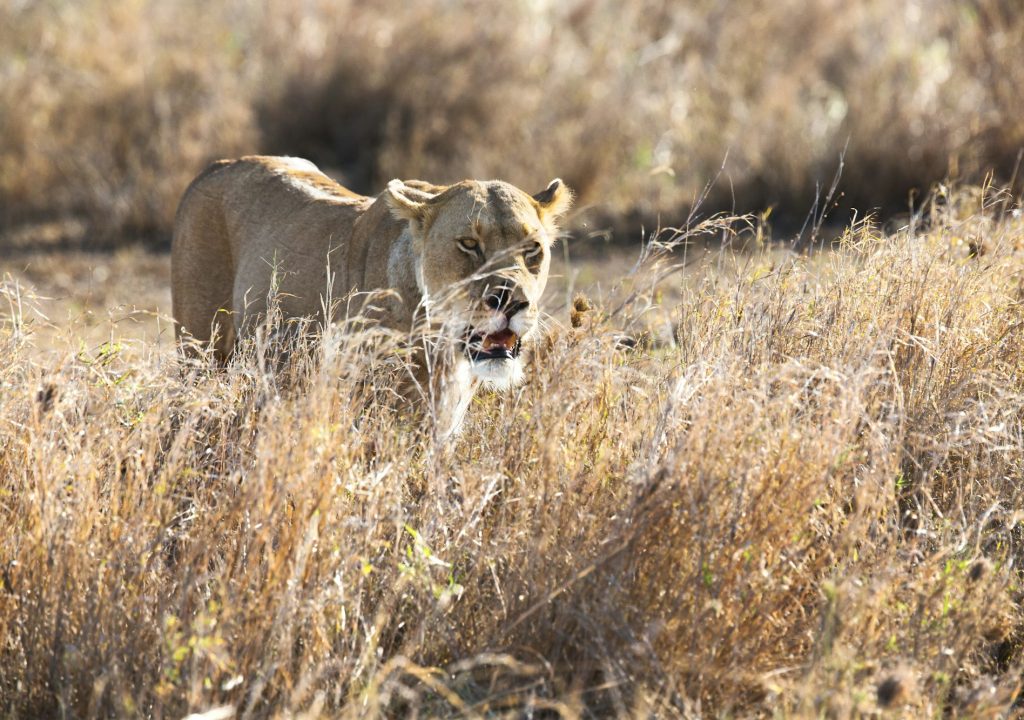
x=245, y=224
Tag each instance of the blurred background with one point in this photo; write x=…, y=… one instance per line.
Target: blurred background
x=109, y=108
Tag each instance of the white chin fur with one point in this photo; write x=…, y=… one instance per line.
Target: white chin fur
x=499, y=374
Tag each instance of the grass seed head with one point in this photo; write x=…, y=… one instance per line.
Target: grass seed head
x=580, y=307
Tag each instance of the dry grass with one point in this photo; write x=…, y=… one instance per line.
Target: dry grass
x=800, y=496
x=108, y=109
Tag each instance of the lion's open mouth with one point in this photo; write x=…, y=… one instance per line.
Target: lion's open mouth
x=501, y=345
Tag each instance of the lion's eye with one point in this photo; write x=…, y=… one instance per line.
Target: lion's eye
x=469, y=244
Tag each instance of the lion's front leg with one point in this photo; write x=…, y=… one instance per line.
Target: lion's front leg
x=442, y=389
x=455, y=393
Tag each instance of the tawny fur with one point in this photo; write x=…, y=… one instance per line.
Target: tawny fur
x=243, y=224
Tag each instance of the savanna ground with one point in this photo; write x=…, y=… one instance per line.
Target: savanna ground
x=751, y=472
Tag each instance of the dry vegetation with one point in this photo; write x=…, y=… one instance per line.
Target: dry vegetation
x=765, y=483
x=800, y=493
x=107, y=109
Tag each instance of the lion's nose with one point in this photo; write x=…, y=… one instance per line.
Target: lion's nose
x=499, y=297
x=512, y=309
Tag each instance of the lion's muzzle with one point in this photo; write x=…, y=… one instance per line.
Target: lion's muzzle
x=501, y=345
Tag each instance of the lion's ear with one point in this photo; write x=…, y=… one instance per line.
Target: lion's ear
x=554, y=200
x=407, y=203
x=422, y=188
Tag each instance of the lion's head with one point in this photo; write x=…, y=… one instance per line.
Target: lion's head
x=483, y=250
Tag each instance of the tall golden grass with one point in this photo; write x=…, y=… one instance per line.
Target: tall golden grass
x=108, y=109
x=799, y=495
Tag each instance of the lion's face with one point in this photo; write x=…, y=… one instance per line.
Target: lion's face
x=484, y=249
